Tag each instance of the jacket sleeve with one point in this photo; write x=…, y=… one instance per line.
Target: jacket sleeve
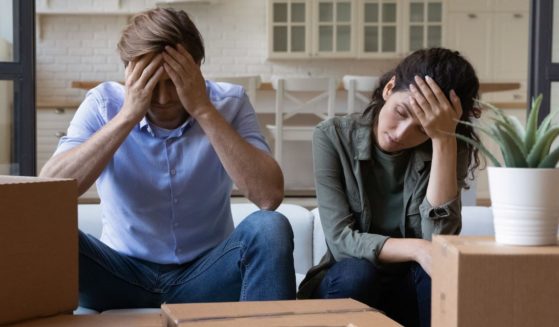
x=445, y=219
x=341, y=231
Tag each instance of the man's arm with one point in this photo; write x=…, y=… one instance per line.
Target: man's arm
x=255, y=172
x=86, y=161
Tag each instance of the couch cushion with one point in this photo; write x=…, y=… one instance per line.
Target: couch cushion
x=319, y=243
x=477, y=221
x=89, y=219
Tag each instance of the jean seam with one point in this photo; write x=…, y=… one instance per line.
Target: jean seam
x=227, y=250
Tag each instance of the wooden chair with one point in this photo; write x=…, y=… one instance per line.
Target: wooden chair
x=322, y=92
x=359, y=88
x=250, y=83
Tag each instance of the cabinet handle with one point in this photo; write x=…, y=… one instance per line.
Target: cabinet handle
x=59, y=111
x=517, y=15
x=517, y=96
x=60, y=134
x=472, y=16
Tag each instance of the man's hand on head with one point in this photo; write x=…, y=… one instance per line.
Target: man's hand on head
x=188, y=80
x=141, y=78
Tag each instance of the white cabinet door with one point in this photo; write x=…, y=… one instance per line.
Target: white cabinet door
x=470, y=33
x=511, y=5
x=334, y=28
x=471, y=5
x=510, y=46
x=424, y=24
x=379, y=28
x=289, y=28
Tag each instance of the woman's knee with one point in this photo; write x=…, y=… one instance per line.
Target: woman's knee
x=354, y=278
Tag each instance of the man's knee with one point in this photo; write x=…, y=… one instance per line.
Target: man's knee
x=270, y=227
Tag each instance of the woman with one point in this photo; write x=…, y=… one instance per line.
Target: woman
x=390, y=178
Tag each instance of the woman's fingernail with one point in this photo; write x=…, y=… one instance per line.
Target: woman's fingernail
x=427, y=77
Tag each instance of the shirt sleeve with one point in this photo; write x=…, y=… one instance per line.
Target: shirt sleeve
x=86, y=122
x=341, y=231
x=246, y=124
x=445, y=219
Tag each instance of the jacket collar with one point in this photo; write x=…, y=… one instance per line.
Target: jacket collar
x=363, y=142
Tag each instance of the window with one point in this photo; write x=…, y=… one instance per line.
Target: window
x=17, y=87
x=544, y=54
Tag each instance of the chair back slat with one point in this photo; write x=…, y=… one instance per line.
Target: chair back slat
x=304, y=95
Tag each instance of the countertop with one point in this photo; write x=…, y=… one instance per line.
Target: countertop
x=484, y=88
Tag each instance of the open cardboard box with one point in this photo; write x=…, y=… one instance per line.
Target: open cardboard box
x=339, y=312
x=38, y=247
x=477, y=282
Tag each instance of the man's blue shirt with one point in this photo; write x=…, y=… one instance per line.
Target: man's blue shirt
x=165, y=195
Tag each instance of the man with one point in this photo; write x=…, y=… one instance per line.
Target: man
x=165, y=149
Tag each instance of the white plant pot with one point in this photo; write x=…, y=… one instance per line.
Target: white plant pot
x=525, y=203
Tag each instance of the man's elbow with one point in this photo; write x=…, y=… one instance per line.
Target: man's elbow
x=271, y=200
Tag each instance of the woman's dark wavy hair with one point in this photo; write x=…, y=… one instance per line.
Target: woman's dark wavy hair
x=451, y=72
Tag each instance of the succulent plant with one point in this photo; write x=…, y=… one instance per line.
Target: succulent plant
x=521, y=146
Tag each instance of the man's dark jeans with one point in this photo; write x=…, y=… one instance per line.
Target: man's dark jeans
x=255, y=263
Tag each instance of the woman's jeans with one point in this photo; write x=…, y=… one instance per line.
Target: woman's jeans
x=255, y=263
x=404, y=297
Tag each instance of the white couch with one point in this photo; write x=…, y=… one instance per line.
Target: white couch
x=307, y=230
x=308, y=236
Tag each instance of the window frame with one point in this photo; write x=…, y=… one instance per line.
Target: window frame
x=21, y=71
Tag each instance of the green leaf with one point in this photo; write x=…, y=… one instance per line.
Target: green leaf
x=480, y=127
x=532, y=123
x=513, y=136
x=512, y=153
x=517, y=125
x=551, y=160
x=546, y=124
x=541, y=148
x=481, y=147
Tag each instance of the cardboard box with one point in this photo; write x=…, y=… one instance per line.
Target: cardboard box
x=342, y=312
x=38, y=247
x=476, y=282
x=96, y=320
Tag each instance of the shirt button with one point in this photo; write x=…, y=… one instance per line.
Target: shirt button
x=176, y=224
x=173, y=172
x=175, y=200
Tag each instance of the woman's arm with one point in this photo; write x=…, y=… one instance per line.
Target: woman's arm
x=335, y=183
x=407, y=249
x=438, y=117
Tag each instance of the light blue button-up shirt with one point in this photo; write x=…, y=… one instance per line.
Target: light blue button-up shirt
x=164, y=195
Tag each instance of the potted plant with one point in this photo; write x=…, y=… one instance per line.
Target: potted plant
x=525, y=189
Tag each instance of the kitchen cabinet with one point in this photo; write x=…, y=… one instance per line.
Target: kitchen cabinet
x=493, y=36
x=334, y=28
x=470, y=33
x=289, y=29
x=352, y=28
x=52, y=124
x=425, y=24
x=379, y=27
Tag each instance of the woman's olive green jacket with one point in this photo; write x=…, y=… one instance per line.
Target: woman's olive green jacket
x=342, y=148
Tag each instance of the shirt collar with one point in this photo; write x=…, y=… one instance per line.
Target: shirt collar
x=144, y=124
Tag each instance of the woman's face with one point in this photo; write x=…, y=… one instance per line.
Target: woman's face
x=397, y=128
